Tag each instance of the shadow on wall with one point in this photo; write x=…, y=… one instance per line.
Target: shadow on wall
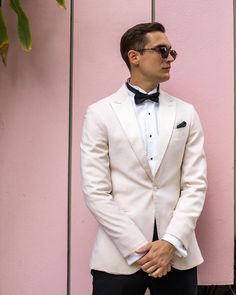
x=217, y=290
x=220, y=290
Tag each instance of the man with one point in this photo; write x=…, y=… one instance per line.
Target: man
x=144, y=176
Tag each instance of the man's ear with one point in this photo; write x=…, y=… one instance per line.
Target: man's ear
x=133, y=57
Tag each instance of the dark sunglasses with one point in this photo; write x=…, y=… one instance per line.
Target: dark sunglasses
x=162, y=50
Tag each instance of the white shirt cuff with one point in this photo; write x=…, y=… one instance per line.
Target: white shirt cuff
x=180, y=249
x=132, y=258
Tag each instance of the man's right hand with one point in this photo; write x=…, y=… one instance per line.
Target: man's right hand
x=160, y=272
x=157, y=261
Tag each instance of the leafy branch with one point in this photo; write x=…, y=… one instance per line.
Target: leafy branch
x=23, y=28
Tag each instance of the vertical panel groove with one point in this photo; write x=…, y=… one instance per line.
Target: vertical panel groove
x=70, y=147
x=153, y=14
x=234, y=18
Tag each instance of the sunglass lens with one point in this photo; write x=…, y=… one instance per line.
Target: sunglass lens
x=164, y=52
x=173, y=53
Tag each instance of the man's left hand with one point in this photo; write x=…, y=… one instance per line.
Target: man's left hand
x=157, y=260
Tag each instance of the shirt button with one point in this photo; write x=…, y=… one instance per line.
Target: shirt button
x=149, y=114
x=150, y=135
x=151, y=158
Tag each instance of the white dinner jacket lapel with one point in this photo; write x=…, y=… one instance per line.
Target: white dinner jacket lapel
x=166, y=119
x=125, y=112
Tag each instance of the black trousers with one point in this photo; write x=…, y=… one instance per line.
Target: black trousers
x=176, y=282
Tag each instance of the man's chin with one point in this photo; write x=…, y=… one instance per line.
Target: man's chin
x=165, y=78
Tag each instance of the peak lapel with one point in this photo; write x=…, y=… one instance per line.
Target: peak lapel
x=125, y=112
x=166, y=119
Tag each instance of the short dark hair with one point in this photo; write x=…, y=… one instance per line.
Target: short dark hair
x=135, y=38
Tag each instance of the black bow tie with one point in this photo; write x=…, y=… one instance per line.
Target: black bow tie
x=140, y=97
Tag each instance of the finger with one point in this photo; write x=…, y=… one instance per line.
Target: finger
x=164, y=273
x=142, y=261
x=145, y=259
x=160, y=272
x=151, y=269
x=145, y=248
x=149, y=264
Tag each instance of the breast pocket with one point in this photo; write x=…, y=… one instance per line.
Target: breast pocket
x=179, y=134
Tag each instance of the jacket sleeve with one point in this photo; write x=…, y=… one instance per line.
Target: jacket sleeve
x=193, y=185
x=97, y=187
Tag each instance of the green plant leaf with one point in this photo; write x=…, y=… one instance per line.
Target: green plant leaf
x=61, y=3
x=4, y=41
x=23, y=25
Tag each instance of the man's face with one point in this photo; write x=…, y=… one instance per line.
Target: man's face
x=151, y=65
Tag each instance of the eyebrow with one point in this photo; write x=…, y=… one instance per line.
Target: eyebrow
x=163, y=45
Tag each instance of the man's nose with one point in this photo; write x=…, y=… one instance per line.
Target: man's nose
x=170, y=58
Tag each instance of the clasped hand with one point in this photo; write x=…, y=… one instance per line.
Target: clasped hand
x=157, y=260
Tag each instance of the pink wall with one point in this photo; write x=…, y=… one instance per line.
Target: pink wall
x=34, y=132
x=201, y=32
x=98, y=72
x=33, y=156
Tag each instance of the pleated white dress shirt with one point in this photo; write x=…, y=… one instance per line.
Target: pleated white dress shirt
x=147, y=118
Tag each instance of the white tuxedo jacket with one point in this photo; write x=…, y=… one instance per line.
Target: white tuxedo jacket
x=121, y=191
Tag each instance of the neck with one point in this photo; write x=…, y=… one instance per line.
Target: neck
x=143, y=84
